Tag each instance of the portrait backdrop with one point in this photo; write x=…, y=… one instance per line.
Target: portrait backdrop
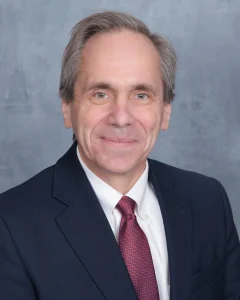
x=204, y=133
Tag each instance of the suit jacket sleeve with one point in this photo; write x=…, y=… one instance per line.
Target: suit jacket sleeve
x=232, y=258
x=15, y=283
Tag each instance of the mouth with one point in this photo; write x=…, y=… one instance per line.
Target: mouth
x=118, y=141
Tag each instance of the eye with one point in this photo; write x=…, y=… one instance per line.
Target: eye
x=142, y=96
x=100, y=95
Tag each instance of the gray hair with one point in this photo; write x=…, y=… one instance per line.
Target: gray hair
x=106, y=22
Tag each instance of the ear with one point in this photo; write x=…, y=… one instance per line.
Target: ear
x=166, y=116
x=66, y=111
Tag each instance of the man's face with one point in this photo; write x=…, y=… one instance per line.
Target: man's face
x=118, y=107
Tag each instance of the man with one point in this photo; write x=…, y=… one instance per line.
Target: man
x=105, y=222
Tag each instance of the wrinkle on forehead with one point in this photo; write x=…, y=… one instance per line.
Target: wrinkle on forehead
x=121, y=59
x=128, y=45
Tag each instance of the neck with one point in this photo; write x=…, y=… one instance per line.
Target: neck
x=121, y=182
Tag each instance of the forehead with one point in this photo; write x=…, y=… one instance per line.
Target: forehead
x=123, y=55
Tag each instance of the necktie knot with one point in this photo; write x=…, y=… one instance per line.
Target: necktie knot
x=126, y=206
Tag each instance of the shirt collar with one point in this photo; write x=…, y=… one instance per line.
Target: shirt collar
x=109, y=197
x=137, y=193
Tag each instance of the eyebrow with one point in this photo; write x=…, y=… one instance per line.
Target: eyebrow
x=107, y=86
x=144, y=87
x=100, y=85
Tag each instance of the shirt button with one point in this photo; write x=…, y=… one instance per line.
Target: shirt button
x=146, y=216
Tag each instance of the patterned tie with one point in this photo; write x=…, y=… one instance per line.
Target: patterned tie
x=136, y=252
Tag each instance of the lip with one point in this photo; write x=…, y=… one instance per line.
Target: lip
x=118, y=141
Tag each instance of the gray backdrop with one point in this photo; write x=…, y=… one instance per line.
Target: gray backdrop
x=205, y=123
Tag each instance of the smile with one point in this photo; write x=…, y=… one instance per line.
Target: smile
x=118, y=142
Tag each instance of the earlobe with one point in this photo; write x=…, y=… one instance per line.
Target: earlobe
x=166, y=116
x=66, y=111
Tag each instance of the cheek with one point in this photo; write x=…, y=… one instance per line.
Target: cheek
x=87, y=118
x=150, y=120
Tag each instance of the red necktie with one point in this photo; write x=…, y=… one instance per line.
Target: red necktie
x=136, y=252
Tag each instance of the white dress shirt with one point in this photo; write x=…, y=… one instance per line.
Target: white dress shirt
x=148, y=214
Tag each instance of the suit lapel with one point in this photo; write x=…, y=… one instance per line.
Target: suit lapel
x=87, y=230
x=177, y=220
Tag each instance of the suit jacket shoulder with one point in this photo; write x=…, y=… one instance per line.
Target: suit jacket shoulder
x=28, y=196
x=187, y=183
x=38, y=189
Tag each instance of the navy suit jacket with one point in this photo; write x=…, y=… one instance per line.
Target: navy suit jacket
x=56, y=243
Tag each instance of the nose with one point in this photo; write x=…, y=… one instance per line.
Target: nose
x=121, y=114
